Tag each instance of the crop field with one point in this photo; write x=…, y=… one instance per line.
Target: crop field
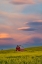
x=28, y=56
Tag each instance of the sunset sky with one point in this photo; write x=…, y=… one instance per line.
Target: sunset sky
x=20, y=23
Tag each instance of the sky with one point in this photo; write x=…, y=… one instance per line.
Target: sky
x=20, y=23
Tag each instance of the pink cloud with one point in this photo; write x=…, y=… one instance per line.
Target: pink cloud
x=40, y=0
x=22, y=38
x=23, y=28
x=5, y=28
x=22, y=1
x=18, y=16
x=4, y=1
x=6, y=38
x=19, y=38
x=4, y=35
x=16, y=19
x=5, y=41
x=27, y=29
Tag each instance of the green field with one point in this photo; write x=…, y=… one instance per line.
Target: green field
x=31, y=55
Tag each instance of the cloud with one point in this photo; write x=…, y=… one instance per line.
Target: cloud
x=35, y=41
x=23, y=37
x=22, y=1
x=17, y=21
x=26, y=29
x=4, y=35
x=19, y=1
x=32, y=26
x=4, y=1
x=40, y=1
x=35, y=23
x=5, y=28
x=19, y=16
x=6, y=39
x=19, y=39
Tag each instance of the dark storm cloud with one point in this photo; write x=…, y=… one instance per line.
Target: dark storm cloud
x=34, y=23
x=33, y=26
x=36, y=41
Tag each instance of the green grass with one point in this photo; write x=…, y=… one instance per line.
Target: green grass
x=31, y=55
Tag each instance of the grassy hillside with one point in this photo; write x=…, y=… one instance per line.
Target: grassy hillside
x=34, y=48
x=31, y=55
x=30, y=49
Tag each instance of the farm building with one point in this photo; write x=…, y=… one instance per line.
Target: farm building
x=19, y=48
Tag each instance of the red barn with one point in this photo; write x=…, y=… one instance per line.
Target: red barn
x=19, y=48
